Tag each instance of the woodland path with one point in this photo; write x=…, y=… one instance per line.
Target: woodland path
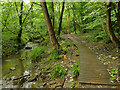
x=91, y=69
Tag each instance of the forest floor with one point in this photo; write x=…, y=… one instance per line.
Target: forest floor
x=42, y=72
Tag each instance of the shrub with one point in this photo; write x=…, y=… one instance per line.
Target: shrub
x=58, y=71
x=75, y=71
x=98, y=35
x=37, y=53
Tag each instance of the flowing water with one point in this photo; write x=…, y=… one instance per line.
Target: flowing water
x=20, y=65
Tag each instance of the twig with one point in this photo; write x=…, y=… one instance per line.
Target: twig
x=17, y=9
x=27, y=13
x=37, y=4
x=60, y=85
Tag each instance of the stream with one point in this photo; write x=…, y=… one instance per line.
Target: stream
x=18, y=65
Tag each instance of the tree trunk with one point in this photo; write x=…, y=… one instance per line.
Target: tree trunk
x=32, y=16
x=20, y=22
x=118, y=16
x=53, y=19
x=103, y=26
x=74, y=19
x=49, y=25
x=59, y=29
x=69, y=21
x=113, y=38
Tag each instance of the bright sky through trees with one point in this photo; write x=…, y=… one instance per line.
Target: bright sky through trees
x=26, y=1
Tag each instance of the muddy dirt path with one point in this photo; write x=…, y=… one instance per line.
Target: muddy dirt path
x=91, y=69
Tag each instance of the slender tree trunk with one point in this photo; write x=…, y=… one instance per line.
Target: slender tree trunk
x=103, y=26
x=74, y=19
x=118, y=16
x=59, y=29
x=59, y=8
x=32, y=17
x=49, y=25
x=113, y=38
x=20, y=22
x=69, y=22
x=53, y=19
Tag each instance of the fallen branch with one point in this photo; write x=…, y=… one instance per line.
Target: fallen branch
x=34, y=79
x=60, y=85
x=21, y=77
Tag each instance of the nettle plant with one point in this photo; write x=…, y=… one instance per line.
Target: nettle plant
x=53, y=55
x=37, y=53
x=58, y=71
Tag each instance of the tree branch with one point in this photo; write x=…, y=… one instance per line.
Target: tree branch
x=17, y=9
x=27, y=13
x=37, y=4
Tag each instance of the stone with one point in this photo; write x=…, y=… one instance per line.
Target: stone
x=12, y=68
x=21, y=59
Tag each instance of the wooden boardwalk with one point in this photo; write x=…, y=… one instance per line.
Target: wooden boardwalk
x=91, y=69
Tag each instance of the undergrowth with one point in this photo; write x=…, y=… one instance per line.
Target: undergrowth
x=115, y=74
x=53, y=55
x=75, y=71
x=37, y=53
x=58, y=71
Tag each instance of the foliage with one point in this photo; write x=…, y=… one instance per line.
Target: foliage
x=37, y=53
x=64, y=48
x=98, y=35
x=75, y=70
x=58, y=71
x=53, y=55
x=73, y=85
x=24, y=38
x=9, y=43
x=114, y=74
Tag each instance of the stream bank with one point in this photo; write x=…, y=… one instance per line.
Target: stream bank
x=20, y=72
